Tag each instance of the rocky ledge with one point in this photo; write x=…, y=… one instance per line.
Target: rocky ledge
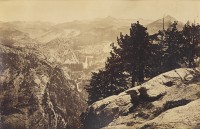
x=170, y=100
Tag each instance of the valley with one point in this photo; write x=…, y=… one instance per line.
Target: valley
x=78, y=47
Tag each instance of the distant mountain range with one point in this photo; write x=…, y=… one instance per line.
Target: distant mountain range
x=86, y=32
x=46, y=31
x=78, y=38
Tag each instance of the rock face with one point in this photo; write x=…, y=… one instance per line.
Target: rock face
x=35, y=95
x=170, y=100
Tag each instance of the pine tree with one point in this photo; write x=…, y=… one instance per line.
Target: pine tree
x=134, y=52
x=127, y=61
x=97, y=86
x=191, y=38
x=115, y=68
x=155, y=60
x=173, y=43
x=107, y=82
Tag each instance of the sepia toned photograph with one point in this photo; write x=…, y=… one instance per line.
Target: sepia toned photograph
x=99, y=64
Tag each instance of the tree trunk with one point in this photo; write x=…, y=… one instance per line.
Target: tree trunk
x=133, y=80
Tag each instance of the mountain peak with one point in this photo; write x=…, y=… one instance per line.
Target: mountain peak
x=170, y=18
x=157, y=25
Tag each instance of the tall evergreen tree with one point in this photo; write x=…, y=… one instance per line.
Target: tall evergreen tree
x=114, y=67
x=97, y=88
x=109, y=81
x=173, y=43
x=127, y=61
x=155, y=60
x=191, y=37
x=134, y=52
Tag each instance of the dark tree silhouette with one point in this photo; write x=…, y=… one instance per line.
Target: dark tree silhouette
x=173, y=45
x=134, y=52
x=191, y=40
x=97, y=86
x=114, y=67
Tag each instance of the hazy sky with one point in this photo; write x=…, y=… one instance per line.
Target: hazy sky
x=68, y=10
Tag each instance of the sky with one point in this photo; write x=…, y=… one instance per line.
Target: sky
x=68, y=10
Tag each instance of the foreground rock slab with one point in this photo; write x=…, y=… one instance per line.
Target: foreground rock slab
x=170, y=100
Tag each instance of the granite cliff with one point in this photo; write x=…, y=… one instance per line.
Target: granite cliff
x=34, y=94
